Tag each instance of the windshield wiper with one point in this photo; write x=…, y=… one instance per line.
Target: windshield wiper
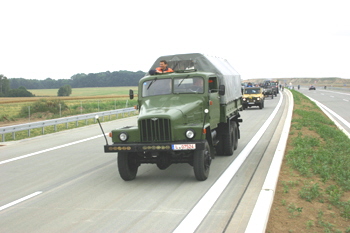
x=151, y=83
x=183, y=80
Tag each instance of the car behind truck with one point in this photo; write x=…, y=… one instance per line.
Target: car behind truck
x=187, y=116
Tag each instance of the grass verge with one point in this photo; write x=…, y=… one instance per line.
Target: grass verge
x=313, y=190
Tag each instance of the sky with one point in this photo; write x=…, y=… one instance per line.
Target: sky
x=260, y=38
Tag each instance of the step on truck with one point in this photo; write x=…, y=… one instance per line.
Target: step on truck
x=187, y=116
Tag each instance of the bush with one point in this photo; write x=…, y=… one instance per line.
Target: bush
x=44, y=106
x=20, y=92
x=65, y=90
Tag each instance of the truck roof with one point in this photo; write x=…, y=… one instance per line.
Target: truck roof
x=227, y=75
x=198, y=61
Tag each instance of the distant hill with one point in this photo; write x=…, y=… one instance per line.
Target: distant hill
x=335, y=82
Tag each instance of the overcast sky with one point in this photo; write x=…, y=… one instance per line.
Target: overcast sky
x=260, y=38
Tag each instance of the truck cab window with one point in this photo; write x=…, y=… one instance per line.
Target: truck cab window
x=156, y=87
x=213, y=85
x=189, y=85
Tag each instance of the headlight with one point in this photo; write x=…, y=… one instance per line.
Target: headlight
x=123, y=137
x=243, y=99
x=258, y=98
x=190, y=134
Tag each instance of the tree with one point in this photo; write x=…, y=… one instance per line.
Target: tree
x=4, y=85
x=65, y=90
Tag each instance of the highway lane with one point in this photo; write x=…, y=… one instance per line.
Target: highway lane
x=80, y=188
x=337, y=101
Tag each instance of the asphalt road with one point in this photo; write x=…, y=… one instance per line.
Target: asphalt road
x=337, y=101
x=64, y=182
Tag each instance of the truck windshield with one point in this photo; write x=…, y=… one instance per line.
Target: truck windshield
x=189, y=85
x=156, y=87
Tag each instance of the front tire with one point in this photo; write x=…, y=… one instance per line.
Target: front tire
x=201, y=163
x=127, y=165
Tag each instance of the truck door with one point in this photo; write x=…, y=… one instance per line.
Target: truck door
x=214, y=101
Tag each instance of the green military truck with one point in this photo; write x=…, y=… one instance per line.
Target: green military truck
x=187, y=116
x=270, y=88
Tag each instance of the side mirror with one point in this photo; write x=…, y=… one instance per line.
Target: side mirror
x=222, y=90
x=131, y=94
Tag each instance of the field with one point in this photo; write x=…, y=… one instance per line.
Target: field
x=80, y=92
x=20, y=110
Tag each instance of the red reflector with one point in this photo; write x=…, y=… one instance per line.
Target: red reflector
x=210, y=102
x=204, y=131
x=110, y=134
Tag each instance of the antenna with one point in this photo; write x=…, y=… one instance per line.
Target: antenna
x=99, y=123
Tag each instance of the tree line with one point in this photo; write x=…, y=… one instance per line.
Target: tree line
x=103, y=79
x=15, y=87
x=6, y=91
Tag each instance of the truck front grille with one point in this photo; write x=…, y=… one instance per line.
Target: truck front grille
x=155, y=130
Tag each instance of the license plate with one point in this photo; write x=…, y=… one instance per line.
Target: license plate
x=183, y=146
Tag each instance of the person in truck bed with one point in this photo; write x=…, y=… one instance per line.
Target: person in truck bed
x=163, y=67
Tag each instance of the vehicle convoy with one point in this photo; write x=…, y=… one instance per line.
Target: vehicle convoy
x=187, y=116
x=253, y=96
x=270, y=88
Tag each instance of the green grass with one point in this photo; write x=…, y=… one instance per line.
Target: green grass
x=320, y=152
x=89, y=91
x=10, y=113
x=326, y=154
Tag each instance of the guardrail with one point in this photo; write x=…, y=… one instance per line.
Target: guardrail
x=42, y=124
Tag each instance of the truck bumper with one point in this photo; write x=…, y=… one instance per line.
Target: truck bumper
x=154, y=146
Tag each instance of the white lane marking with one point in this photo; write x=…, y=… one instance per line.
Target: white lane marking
x=19, y=200
x=50, y=149
x=346, y=100
x=332, y=96
x=201, y=209
x=322, y=94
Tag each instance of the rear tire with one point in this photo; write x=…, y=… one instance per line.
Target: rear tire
x=201, y=163
x=235, y=139
x=127, y=165
x=228, y=139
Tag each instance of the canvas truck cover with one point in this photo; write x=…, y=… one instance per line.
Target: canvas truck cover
x=227, y=75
